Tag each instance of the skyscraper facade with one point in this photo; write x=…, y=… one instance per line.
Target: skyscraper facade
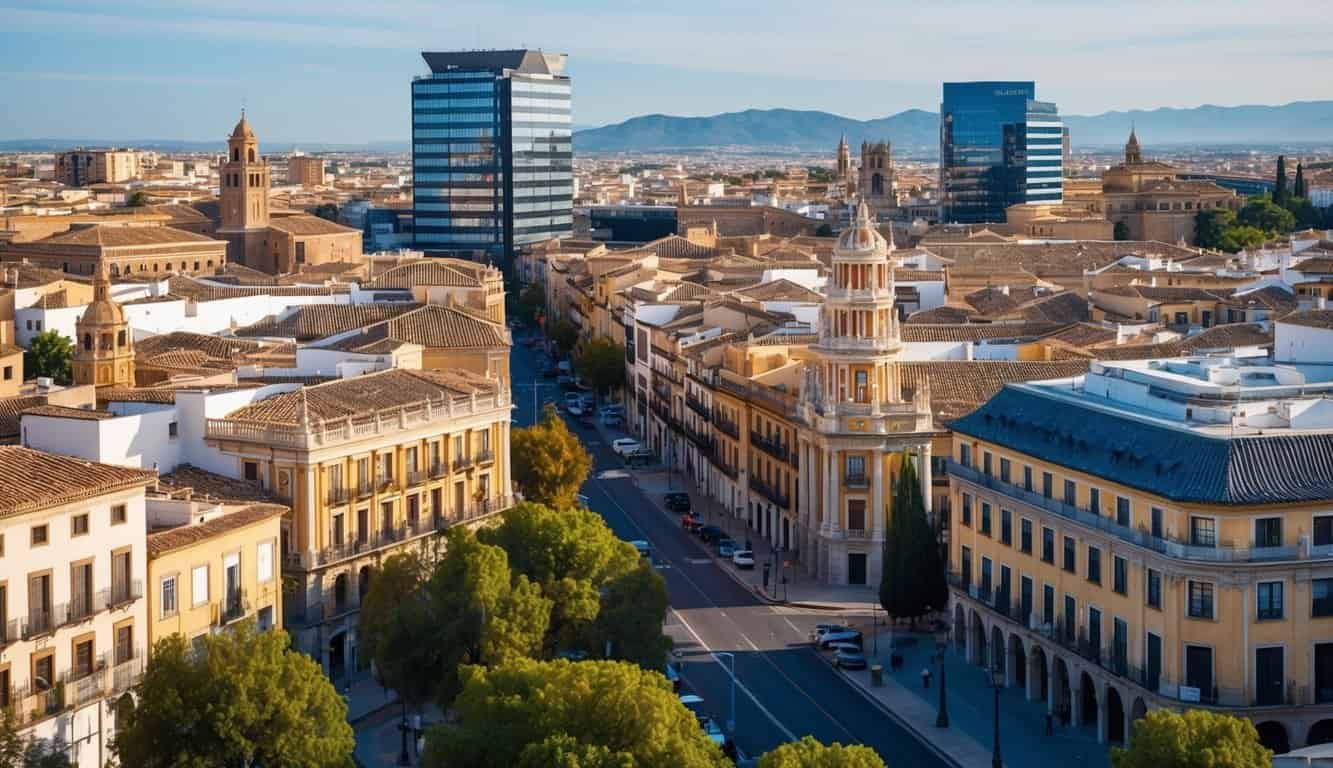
x=998, y=147
x=492, y=158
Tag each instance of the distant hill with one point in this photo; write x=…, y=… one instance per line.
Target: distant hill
x=917, y=131
x=182, y=145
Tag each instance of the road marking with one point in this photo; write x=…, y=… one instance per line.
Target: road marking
x=698, y=560
x=739, y=685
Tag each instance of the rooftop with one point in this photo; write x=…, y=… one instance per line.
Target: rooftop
x=163, y=541
x=363, y=395
x=33, y=480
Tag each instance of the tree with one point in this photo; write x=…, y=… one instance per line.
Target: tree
x=548, y=461
x=1298, y=188
x=397, y=628
x=49, y=355
x=18, y=751
x=1241, y=237
x=564, y=335
x=1210, y=226
x=244, y=699
x=912, y=574
x=601, y=363
x=137, y=199
x=531, y=302
x=1120, y=231
x=825, y=230
x=630, y=621
x=1264, y=214
x=1197, y=739
x=606, y=712
x=327, y=211
x=1304, y=212
x=808, y=753
x=1280, y=191
x=482, y=613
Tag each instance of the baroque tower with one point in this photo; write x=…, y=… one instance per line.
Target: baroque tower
x=104, y=349
x=245, y=185
x=1132, y=153
x=875, y=185
x=844, y=160
x=858, y=421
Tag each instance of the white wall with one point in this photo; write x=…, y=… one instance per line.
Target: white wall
x=1302, y=344
x=194, y=406
x=141, y=440
x=29, y=322
x=930, y=291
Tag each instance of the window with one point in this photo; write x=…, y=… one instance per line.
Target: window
x=168, y=601
x=1025, y=536
x=985, y=518
x=1048, y=545
x=985, y=576
x=1270, y=600
x=39, y=535
x=199, y=585
x=1268, y=532
x=119, y=514
x=967, y=509
x=1156, y=513
x=1200, y=600
x=250, y=471
x=264, y=560
x=1047, y=483
x=1004, y=470
x=1323, y=530
x=1070, y=555
x=1048, y=604
x=1094, y=565
x=1203, y=531
x=966, y=562
x=1027, y=478
x=1321, y=591
x=1153, y=590
x=9, y=372
x=78, y=525
x=965, y=455
x=1006, y=527
x=1120, y=575
x=173, y=430
x=1071, y=493
x=986, y=463
x=1122, y=516
x=856, y=514
x=1095, y=501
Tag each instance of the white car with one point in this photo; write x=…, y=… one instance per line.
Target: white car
x=743, y=558
x=574, y=409
x=625, y=446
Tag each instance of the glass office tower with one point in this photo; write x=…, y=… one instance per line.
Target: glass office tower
x=492, y=161
x=998, y=147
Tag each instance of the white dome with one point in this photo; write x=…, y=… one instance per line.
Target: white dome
x=861, y=238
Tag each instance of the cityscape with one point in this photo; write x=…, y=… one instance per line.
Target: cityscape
x=618, y=399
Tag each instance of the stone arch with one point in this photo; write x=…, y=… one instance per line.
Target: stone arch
x=1320, y=733
x=959, y=628
x=1273, y=735
x=363, y=582
x=1137, y=712
x=978, y=636
x=1016, y=661
x=1060, y=689
x=1041, y=682
x=251, y=154
x=1114, y=715
x=997, y=650
x=340, y=592
x=1087, y=691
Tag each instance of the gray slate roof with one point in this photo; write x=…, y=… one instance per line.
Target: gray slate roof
x=1177, y=464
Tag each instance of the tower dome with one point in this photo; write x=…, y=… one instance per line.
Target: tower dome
x=862, y=239
x=242, y=129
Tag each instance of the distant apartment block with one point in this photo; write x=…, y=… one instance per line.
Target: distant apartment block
x=305, y=170
x=81, y=167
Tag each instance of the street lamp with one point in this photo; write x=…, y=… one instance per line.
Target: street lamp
x=403, y=728
x=997, y=682
x=731, y=660
x=941, y=644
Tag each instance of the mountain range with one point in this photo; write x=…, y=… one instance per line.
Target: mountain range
x=916, y=132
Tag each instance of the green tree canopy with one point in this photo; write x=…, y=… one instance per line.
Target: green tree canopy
x=531, y=302
x=1298, y=187
x=137, y=199
x=397, y=628
x=631, y=616
x=1197, y=739
x=591, y=714
x=1239, y=237
x=601, y=363
x=1120, y=231
x=19, y=751
x=912, y=580
x=49, y=355
x=1210, y=226
x=808, y=753
x=482, y=614
x=548, y=461
x=1280, y=191
x=327, y=211
x=564, y=335
x=1264, y=214
x=245, y=699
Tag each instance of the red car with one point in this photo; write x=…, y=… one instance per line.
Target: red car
x=691, y=521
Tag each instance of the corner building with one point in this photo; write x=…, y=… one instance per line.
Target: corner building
x=1152, y=534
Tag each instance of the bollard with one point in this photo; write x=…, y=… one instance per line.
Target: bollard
x=876, y=675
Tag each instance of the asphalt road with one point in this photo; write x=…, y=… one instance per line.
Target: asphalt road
x=783, y=689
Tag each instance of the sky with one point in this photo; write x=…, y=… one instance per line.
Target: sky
x=337, y=71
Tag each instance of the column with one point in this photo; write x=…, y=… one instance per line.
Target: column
x=1129, y=723
x=1102, y=711
x=1030, y=690
x=877, y=486
x=1050, y=688
x=923, y=469
x=311, y=502
x=1075, y=703
x=969, y=644
x=832, y=518
x=506, y=472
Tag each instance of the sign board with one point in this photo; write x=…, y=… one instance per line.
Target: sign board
x=1189, y=694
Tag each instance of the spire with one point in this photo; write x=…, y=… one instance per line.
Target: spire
x=101, y=282
x=1132, y=151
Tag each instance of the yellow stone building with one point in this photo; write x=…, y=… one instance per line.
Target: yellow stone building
x=104, y=346
x=1156, y=533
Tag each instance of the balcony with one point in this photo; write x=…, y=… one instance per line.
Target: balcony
x=364, y=489
x=1169, y=546
x=384, y=482
x=462, y=462
x=232, y=608
x=438, y=469
x=855, y=480
x=485, y=456
x=336, y=497
x=702, y=440
x=75, y=687
x=125, y=592
x=769, y=492
x=728, y=427
x=415, y=477
x=38, y=623
x=770, y=445
x=697, y=405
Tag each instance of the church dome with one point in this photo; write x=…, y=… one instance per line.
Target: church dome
x=102, y=311
x=242, y=129
x=861, y=238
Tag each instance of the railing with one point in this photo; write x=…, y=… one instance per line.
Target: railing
x=727, y=426
x=769, y=492
x=384, y=482
x=858, y=533
x=855, y=480
x=773, y=447
x=38, y=623
x=232, y=608
x=9, y=632
x=462, y=462
x=75, y=687
x=125, y=592
x=854, y=344
x=1141, y=537
x=365, y=490
x=337, y=496
x=696, y=405
x=777, y=400
x=701, y=439
x=858, y=294
x=333, y=432
x=438, y=469
x=715, y=458
x=415, y=477
x=485, y=456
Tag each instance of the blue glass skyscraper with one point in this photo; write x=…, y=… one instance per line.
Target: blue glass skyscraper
x=492, y=159
x=998, y=147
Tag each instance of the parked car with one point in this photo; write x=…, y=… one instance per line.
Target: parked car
x=677, y=501
x=639, y=458
x=828, y=639
x=611, y=410
x=743, y=558
x=849, y=657
x=726, y=547
x=672, y=674
x=711, y=533
x=625, y=445
x=575, y=409
x=708, y=724
x=613, y=420
x=821, y=629
x=691, y=521
x=645, y=549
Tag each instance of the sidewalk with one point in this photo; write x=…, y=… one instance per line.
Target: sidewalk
x=971, y=707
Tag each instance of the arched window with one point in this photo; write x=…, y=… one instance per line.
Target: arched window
x=235, y=155
x=120, y=339
x=115, y=270
x=88, y=341
x=252, y=154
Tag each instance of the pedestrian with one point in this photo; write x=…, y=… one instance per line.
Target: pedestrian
x=1050, y=724
x=925, y=677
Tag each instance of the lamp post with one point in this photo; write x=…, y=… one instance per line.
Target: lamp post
x=403, y=728
x=941, y=644
x=997, y=682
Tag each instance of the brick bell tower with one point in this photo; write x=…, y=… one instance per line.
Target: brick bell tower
x=244, y=197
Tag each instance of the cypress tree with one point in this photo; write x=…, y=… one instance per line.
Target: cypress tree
x=1280, y=188
x=912, y=582
x=1298, y=187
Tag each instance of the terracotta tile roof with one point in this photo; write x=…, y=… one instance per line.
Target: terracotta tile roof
x=305, y=225
x=1082, y=335
x=211, y=346
x=180, y=537
x=180, y=285
x=109, y=236
x=209, y=485
x=1310, y=318
x=52, y=300
x=1321, y=265
x=365, y=394
x=1165, y=293
x=11, y=408
x=1271, y=297
x=996, y=301
x=1066, y=307
x=959, y=387
x=781, y=289
x=436, y=325
x=442, y=272
x=1228, y=336
x=317, y=321
x=161, y=395
x=65, y=412
x=677, y=247
x=30, y=275
x=920, y=332
x=917, y=276
x=943, y=314
x=32, y=480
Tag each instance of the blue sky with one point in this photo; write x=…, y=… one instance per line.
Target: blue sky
x=337, y=70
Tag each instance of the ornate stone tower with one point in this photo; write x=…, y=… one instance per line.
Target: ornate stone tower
x=857, y=421
x=104, y=350
x=245, y=185
x=875, y=185
x=844, y=160
x=1132, y=153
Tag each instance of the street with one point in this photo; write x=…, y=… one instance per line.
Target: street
x=784, y=690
